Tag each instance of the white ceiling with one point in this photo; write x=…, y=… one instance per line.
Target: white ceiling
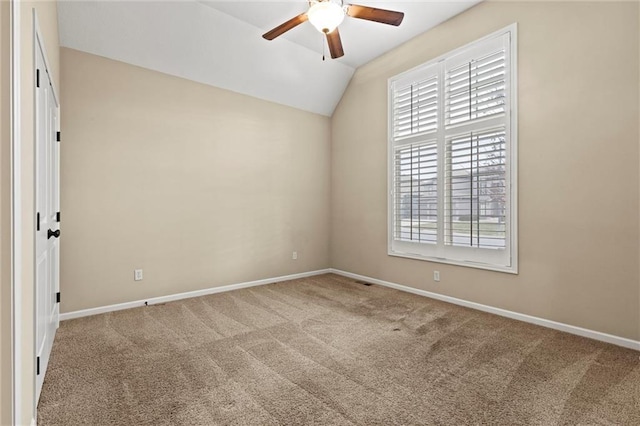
x=220, y=42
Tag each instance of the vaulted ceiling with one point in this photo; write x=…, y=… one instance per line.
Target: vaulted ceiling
x=220, y=42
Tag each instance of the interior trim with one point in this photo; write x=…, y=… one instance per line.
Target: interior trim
x=579, y=331
x=16, y=211
x=179, y=296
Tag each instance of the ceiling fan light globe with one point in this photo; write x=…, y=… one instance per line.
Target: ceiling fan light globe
x=325, y=15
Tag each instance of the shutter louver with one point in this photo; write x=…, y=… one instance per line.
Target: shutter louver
x=476, y=89
x=416, y=193
x=415, y=108
x=475, y=184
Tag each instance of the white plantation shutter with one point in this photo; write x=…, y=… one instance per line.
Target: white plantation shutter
x=475, y=182
x=415, y=108
x=416, y=201
x=476, y=89
x=452, y=156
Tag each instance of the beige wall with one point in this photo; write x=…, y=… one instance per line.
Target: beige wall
x=198, y=186
x=578, y=166
x=48, y=22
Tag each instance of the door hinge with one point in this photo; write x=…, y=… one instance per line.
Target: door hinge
x=37, y=221
x=37, y=366
x=58, y=297
x=37, y=78
x=58, y=217
x=58, y=136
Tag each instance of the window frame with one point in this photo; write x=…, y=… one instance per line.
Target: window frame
x=439, y=252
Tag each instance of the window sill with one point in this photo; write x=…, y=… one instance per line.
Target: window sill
x=513, y=269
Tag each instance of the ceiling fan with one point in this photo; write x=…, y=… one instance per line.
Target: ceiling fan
x=326, y=15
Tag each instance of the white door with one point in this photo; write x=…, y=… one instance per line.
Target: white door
x=47, y=255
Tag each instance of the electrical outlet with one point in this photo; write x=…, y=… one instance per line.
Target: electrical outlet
x=294, y=255
x=436, y=275
x=137, y=274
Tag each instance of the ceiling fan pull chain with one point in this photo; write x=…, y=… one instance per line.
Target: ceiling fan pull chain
x=322, y=48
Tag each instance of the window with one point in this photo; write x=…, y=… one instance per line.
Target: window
x=452, y=157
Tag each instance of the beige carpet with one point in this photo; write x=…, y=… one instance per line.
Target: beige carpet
x=328, y=350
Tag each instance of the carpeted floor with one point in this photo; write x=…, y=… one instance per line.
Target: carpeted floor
x=328, y=350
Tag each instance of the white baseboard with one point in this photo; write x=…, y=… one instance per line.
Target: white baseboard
x=187, y=295
x=596, y=335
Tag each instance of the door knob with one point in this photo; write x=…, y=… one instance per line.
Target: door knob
x=51, y=233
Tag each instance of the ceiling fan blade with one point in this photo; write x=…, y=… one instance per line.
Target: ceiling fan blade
x=335, y=44
x=378, y=15
x=283, y=28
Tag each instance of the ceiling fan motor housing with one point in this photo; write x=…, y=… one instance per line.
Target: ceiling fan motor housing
x=326, y=15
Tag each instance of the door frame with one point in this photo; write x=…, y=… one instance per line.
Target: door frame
x=16, y=212
x=38, y=43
